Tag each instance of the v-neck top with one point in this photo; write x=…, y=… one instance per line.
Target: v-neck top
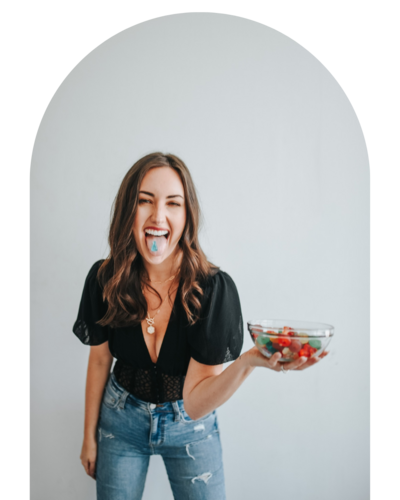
x=216, y=338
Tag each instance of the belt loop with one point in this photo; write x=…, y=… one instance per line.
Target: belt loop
x=177, y=413
x=122, y=399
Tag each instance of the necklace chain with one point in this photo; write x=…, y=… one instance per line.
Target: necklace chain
x=149, y=320
x=169, y=279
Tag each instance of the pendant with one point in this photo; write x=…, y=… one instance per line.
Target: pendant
x=150, y=329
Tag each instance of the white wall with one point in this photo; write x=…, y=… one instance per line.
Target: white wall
x=281, y=168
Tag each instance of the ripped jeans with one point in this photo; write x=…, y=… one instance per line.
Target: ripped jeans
x=130, y=430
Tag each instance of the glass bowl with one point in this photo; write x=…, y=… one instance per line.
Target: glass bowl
x=293, y=339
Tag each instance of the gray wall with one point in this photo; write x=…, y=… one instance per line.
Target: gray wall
x=281, y=167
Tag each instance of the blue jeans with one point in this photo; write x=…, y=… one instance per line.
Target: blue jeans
x=130, y=431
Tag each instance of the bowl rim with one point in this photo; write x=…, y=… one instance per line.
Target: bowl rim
x=324, y=329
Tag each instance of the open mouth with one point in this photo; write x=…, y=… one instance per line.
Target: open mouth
x=154, y=232
x=156, y=240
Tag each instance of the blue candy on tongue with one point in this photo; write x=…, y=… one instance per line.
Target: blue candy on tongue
x=156, y=245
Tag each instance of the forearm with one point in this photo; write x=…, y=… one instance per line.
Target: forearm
x=97, y=374
x=213, y=391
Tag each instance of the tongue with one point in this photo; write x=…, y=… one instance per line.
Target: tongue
x=156, y=244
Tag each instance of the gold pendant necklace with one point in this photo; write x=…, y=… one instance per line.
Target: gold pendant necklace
x=150, y=321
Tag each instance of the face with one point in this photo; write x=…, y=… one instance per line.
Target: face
x=161, y=215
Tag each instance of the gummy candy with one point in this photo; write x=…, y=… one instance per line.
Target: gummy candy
x=295, y=345
x=287, y=330
x=287, y=341
x=154, y=246
x=305, y=339
x=315, y=343
x=284, y=342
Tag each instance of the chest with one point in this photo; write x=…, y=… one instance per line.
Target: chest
x=159, y=321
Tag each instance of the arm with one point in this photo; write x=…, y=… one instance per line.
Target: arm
x=208, y=387
x=100, y=361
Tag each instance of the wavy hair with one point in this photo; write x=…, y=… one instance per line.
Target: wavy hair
x=121, y=274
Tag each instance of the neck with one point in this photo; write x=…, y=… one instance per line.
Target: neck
x=163, y=271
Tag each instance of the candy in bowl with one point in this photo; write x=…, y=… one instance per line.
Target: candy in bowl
x=293, y=339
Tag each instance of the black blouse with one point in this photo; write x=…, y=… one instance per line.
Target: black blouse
x=217, y=337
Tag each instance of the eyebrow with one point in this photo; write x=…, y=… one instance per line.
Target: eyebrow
x=152, y=194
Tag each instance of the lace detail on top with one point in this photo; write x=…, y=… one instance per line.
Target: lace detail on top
x=150, y=385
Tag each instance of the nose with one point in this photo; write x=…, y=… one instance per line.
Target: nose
x=158, y=215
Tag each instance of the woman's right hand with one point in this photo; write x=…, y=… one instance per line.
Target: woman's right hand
x=88, y=456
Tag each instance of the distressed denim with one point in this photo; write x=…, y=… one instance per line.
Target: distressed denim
x=130, y=430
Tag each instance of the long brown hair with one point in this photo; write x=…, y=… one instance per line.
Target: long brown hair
x=121, y=274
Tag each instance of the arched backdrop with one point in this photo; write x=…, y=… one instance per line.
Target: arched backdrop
x=281, y=167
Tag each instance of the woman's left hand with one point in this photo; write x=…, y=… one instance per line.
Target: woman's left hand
x=254, y=358
x=310, y=362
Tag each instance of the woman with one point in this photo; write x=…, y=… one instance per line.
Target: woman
x=171, y=319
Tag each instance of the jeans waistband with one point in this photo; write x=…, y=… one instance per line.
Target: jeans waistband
x=174, y=407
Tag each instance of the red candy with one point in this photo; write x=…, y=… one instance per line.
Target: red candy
x=284, y=342
x=307, y=351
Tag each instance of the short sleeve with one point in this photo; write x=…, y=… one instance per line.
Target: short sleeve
x=91, y=309
x=217, y=337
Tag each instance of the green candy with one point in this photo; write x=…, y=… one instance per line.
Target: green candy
x=315, y=343
x=262, y=340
